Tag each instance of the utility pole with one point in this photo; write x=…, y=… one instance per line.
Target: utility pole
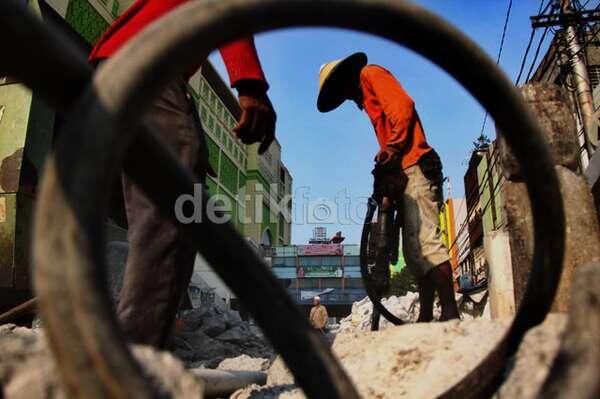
x=582, y=81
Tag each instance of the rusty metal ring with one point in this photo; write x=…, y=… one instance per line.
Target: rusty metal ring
x=125, y=86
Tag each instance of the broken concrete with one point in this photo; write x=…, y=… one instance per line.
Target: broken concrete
x=407, y=309
x=576, y=369
x=549, y=103
x=27, y=369
x=582, y=232
x=532, y=363
x=424, y=360
x=211, y=333
x=245, y=363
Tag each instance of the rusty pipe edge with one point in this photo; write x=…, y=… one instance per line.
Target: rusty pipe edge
x=122, y=100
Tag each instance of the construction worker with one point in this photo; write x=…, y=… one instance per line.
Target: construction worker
x=318, y=315
x=160, y=260
x=404, y=159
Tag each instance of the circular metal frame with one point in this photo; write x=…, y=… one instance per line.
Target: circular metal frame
x=124, y=87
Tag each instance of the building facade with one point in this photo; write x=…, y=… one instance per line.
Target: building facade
x=556, y=68
x=330, y=270
x=483, y=213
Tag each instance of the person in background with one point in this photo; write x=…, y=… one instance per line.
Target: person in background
x=318, y=315
x=160, y=261
x=403, y=151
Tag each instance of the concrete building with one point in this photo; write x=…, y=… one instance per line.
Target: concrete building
x=555, y=68
x=484, y=213
x=328, y=268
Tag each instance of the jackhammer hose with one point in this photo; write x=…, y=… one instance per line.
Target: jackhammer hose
x=372, y=292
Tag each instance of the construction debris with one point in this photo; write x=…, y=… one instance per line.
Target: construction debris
x=245, y=363
x=407, y=308
x=395, y=362
x=27, y=369
x=211, y=333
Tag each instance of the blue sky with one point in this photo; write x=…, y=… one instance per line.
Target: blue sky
x=331, y=153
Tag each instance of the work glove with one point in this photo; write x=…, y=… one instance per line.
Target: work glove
x=389, y=178
x=257, y=123
x=388, y=155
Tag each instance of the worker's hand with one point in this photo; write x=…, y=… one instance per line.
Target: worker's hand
x=389, y=178
x=387, y=156
x=257, y=123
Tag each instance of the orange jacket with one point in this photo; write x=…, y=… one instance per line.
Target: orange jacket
x=240, y=56
x=393, y=114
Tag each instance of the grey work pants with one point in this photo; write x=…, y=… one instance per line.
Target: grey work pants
x=160, y=260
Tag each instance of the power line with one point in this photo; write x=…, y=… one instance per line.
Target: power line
x=537, y=53
x=541, y=11
x=499, y=53
x=525, y=56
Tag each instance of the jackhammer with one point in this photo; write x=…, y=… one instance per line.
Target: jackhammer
x=379, y=246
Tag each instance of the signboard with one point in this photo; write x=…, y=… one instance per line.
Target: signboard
x=320, y=271
x=320, y=250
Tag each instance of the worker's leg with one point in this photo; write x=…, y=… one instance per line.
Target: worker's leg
x=426, y=297
x=422, y=244
x=160, y=260
x=441, y=278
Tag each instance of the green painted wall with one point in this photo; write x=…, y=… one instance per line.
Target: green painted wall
x=488, y=178
x=228, y=174
x=84, y=18
x=15, y=105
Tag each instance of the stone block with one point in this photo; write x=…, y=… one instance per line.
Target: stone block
x=582, y=232
x=575, y=370
x=549, y=103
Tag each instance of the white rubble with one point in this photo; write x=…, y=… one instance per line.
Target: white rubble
x=27, y=370
x=423, y=360
x=405, y=307
x=244, y=363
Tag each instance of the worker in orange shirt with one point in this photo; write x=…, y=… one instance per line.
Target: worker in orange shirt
x=160, y=260
x=403, y=146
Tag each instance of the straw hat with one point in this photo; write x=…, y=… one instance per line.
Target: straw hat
x=331, y=76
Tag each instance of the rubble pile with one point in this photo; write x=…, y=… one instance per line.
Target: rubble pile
x=211, y=333
x=27, y=369
x=405, y=307
x=423, y=360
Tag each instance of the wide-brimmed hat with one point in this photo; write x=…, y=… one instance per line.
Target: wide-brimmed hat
x=332, y=75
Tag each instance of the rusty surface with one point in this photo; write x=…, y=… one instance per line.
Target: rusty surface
x=7, y=240
x=25, y=308
x=10, y=171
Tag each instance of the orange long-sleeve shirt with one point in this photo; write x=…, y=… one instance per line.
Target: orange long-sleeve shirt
x=393, y=114
x=240, y=57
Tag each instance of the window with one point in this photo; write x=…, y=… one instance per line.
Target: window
x=594, y=74
x=282, y=174
x=352, y=261
x=115, y=9
x=284, y=261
